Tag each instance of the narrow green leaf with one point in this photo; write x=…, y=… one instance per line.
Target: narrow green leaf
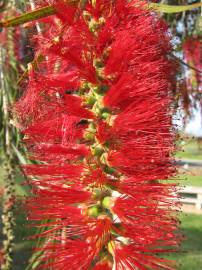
x=21, y=158
x=34, y=15
x=29, y=16
x=173, y=9
x=35, y=261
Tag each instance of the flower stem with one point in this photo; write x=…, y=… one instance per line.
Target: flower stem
x=28, y=17
x=37, y=14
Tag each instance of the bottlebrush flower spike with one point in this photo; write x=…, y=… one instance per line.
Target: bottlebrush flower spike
x=192, y=85
x=97, y=114
x=193, y=56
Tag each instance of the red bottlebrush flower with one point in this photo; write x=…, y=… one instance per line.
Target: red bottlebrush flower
x=191, y=88
x=100, y=126
x=193, y=56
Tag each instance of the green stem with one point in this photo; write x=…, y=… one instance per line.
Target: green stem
x=37, y=14
x=8, y=218
x=28, y=17
x=173, y=8
x=184, y=64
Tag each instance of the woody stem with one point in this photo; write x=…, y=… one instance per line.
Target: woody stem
x=28, y=17
x=37, y=14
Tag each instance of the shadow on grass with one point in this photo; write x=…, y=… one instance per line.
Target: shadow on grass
x=190, y=255
x=193, y=240
x=191, y=151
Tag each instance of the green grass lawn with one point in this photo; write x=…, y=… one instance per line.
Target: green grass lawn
x=189, y=180
x=190, y=255
x=190, y=150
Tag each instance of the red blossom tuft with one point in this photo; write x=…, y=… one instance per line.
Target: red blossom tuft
x=193, y=55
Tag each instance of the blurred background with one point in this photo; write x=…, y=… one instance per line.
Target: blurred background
x=185, y=27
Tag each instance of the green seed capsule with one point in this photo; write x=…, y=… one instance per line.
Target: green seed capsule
x=93, y=211
x=105, y=115
x=107, y=202
x=90, y=100
x=89, y=136
x=97, y=151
